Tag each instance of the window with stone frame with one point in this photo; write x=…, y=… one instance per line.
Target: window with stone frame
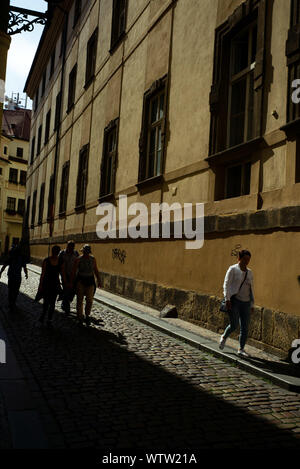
x=82, y=177
x=151, y=144
x=237, y=90
x=5, y=150
x=20, y=152
x=57, y=111
x=21, y=207
x=77, y=11
x=43, y=83
x=41, y=205
x=52, y=63
x=39, y=141
x=109, y=159
x=118, y=22
x=64, y=188
x=47, y=127
x=13, y=176
x=50, y=212
x=91, y=55
x=26, y=222
x=23, y=175
x=72, y=87
x=11, y=205
x=32, y=150
x=33, y=208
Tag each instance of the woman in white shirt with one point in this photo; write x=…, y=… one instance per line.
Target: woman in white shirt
x=238, y=293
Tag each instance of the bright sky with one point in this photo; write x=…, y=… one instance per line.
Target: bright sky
x=21, y=52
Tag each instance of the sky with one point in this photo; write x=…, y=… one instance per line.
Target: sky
x=21, y=52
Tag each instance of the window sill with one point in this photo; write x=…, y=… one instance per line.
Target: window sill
x=80, y=208
x=107, y=197
x=150, y=182
x=291, y=129
x=236, y=152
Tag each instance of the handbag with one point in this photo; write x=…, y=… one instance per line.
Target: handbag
x=223, y=307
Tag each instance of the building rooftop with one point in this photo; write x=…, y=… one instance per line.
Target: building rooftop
x=16, y=123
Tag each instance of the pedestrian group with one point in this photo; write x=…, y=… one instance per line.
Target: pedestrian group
x=77, y=274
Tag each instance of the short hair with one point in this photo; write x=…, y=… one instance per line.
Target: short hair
x=55, y=250
x=71, y=243
x=244, y=252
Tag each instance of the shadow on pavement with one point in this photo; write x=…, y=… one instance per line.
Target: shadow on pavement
x=102, y=395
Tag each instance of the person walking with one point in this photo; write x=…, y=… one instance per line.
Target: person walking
x=15, y=265
x=66, y=259
x=49, y=286
x=239, y=296
x=84, y=271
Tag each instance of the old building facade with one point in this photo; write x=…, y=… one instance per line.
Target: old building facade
x=186, y=101
x=14, y=151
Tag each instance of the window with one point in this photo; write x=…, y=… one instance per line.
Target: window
x=153, y=131
x=39, y=140
x=36, y=99
x=52, y=64
x=41, y=206
x=109, y=157
x=33, y=208
x=19, y=152
x=72, y=87
x=82, y=177
x=238, y=180
x=43, y=83
x=118, y=21
x=64, y=188
x=47, y=128
x=0, y=175
x=11, y=205
x=77, y=11
x=57, y=111
x=236, y=96
x=23, y=175
x=32, y=150
x=13, y=176
x=51, y=198
x=91, y=58
x=5, y=150
x=27, y=212
x=21, y=207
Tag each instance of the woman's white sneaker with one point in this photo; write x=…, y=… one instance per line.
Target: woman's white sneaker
x=222, y=342
x=242, y=353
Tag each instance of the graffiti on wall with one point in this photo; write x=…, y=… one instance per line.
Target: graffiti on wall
x=119, y=254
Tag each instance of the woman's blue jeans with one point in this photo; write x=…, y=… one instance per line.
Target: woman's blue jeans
x=240, y=313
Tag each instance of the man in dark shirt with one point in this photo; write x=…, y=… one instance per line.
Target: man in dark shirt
x=15, y=264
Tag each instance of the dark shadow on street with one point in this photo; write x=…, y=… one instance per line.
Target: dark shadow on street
x=95, y=387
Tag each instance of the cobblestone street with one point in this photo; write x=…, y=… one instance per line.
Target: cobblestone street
x=122, y=384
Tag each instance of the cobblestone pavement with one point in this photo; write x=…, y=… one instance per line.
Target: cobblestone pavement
x=122, y=384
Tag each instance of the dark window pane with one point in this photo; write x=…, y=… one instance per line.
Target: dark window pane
x=234, y=179
x=237, y=118
x=247, y=177
x=240, y=52
x=254, y=44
